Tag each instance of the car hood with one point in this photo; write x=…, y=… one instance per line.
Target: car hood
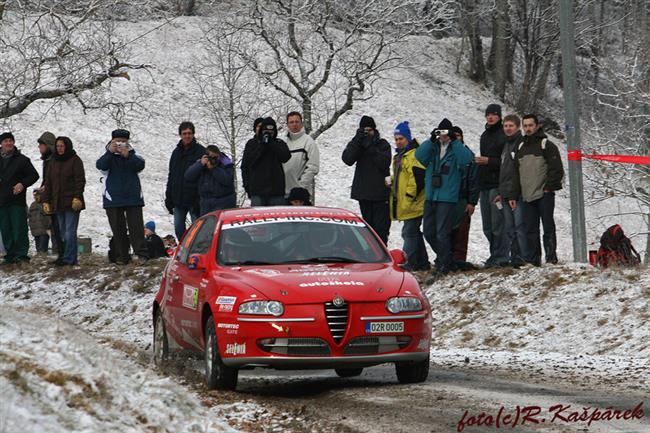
x=299, y=284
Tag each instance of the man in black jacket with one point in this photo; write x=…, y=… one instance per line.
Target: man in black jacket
x=513, y=215
x=539, y=159
x=489, y=163
x=261, y=166
x=182, y=195
x=16, y=175
x=371, y=153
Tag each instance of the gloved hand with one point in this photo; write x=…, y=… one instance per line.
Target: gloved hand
x=77, y=204
x=47, y=209
x=169, y=205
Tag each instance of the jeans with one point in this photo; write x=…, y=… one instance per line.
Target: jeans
x=377, y=214
x=180, y=216
x=438, y=221
x=57, y=243
x=516, y=231
x=42, y=243
x=275, y=200
x=416, y=251
x=493, y=228
x=68, y=223
x=543, y=209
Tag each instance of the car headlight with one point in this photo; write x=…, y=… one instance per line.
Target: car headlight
x=402, y=304
x=272, y=308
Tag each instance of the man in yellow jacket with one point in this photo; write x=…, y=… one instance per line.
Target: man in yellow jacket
x=407, y=198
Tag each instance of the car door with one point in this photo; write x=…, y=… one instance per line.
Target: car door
x=194, y=281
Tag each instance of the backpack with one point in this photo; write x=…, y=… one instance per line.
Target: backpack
x=616, y=249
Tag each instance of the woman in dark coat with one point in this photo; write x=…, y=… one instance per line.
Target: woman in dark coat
x=63, y=195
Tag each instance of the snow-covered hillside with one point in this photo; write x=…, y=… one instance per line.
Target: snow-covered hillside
x=424, y=91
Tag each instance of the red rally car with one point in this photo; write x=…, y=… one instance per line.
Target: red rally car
x=290, y=288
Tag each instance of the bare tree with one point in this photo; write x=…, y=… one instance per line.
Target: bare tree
x=52, y=49
x=322, y=55
x=470, y=14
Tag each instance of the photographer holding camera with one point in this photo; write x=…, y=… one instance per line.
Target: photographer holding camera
x=214, y=173
x=445, y=158
x=123, y=199
x=261, y=166
x=371, y=154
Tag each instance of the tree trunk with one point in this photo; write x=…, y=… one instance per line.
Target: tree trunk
x=307, y=115
x=2, y=8
x=472, y=24
x=500, y=41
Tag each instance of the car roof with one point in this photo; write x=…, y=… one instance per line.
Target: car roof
x=263, y=213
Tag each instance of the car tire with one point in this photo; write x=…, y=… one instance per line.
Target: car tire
x=348, y=372
x=217, y=375
x=160, y=341
x=412, y=372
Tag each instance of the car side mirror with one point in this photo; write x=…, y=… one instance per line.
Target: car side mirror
x=196, y=261
x=398, y=256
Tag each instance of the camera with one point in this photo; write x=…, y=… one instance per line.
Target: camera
x=213, y=160
x=439, y=132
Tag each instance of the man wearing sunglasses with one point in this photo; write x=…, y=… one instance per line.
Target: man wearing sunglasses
x=444, y=157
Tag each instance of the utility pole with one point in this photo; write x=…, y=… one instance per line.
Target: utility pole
x=572, y=130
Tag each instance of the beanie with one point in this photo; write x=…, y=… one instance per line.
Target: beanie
x=493, y=109
x=457, y=131
x=48, y=139
x=6, y=135
x=150, y=225
x=299, y=194
x=257, y=122
x=120, y=133
x=367, y=122
x=404, y=130
x=444, y=124
x=269, y=124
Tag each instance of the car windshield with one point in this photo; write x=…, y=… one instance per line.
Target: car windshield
x=287, y=242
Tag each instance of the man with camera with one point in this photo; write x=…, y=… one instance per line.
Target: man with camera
x=181, y=195
x=16, y=175
x=123, y=199
x=445, y=159
x=261, y=166
x=372, y=157
x=214, y=174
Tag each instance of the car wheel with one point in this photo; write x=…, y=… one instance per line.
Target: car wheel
x=160, y=341
x=348, y=372
x=412, y=372
x=217, y=375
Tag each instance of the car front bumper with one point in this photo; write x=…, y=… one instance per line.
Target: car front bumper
x=323, y=362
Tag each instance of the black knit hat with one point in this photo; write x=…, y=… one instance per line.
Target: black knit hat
x=257, y=122
x=457, y=131
x=269, y=124
x=299, y=194
x=120, y=133
x=446, y=125
x=493, y=109
x=6, y=135
x=367, y=122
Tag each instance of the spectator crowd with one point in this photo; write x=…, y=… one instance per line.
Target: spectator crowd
x=432, y=187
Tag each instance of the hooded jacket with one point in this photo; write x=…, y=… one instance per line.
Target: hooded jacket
x=300, y=171
x=14, y=169
x=492, y=142
x=216, y=185
x=261, y=166
x=121, y=180
x=181, y=192
x=507, y=174
x=65, y=180
x=450, y=167
x=372, y=158
x=407, y=190
x=540, y=160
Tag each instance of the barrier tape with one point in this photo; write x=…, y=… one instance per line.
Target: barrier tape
x=576, y=155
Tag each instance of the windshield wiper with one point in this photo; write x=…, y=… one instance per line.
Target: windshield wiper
x=324, y=259
x=248, y=263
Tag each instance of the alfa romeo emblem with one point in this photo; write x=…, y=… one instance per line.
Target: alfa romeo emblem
x=338, y=301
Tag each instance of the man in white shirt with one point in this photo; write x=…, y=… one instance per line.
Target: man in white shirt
x=301, y=170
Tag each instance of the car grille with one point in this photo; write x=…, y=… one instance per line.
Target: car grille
x=337, y=320
x=295, y=346
x=375, y=345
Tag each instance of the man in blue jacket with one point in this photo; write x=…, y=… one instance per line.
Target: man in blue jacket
x=123, y=199
x=444, y=160
x=182, y=195
x=215, y=176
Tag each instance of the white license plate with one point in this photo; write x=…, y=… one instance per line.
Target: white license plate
x=383, y=327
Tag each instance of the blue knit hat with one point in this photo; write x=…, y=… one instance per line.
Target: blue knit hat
x=150, y=225
x=404, y=130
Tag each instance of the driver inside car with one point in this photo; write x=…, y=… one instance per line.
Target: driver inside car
x=238, y=247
